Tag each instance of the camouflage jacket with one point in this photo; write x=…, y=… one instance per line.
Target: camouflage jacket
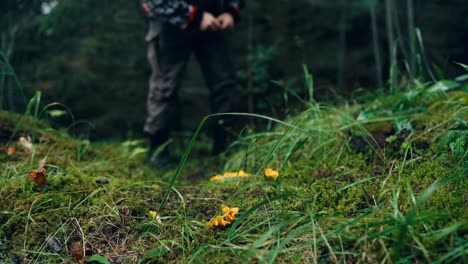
x=183, y=13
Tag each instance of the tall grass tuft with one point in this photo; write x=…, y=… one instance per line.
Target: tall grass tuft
x=7, y=95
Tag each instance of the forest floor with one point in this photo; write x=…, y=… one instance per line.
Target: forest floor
x=381, y=180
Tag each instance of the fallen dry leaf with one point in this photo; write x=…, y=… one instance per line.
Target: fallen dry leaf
x=42, y=162
x=11, y=150
x=77, y=250
x=26, y=143
x=38, y=176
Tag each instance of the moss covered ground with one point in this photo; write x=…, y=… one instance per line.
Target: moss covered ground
x=383, y=180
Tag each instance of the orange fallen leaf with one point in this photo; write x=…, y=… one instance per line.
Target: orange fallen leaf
x=271, y=174
x=38, y=176
x=10, y=150
x=77, y=250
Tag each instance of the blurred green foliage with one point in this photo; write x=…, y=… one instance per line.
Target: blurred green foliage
x=88, y=55
x=91, y=55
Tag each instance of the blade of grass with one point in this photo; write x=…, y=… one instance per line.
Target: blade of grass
x=252, y=209
x=13, y=74
x=423, y=54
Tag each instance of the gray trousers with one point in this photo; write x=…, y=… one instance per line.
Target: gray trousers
x=169, y=49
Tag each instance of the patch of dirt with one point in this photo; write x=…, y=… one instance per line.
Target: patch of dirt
x=323, y=173
x=5, y=131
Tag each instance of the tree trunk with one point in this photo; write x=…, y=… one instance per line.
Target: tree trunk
x=250, y=95
x=7, y=45
x=342, y=50
x=389, y=24
x=376, y=46
x=410, y=10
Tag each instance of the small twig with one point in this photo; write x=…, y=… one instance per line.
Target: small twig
x=27, y=224
x=333, y=256
x=83, y=236
x=207, y=199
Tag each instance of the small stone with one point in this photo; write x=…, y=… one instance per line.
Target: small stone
x=102, y=180
x=53, y=244
x=15, y=258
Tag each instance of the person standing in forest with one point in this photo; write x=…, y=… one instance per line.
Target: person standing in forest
x=177, y=28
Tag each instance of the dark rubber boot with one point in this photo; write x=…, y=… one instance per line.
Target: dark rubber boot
x=158, y=158
x=221, y=139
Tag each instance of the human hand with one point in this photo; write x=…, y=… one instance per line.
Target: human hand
x=226, y=21
x=209, y=23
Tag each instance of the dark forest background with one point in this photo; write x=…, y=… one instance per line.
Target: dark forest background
x=90, y=55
